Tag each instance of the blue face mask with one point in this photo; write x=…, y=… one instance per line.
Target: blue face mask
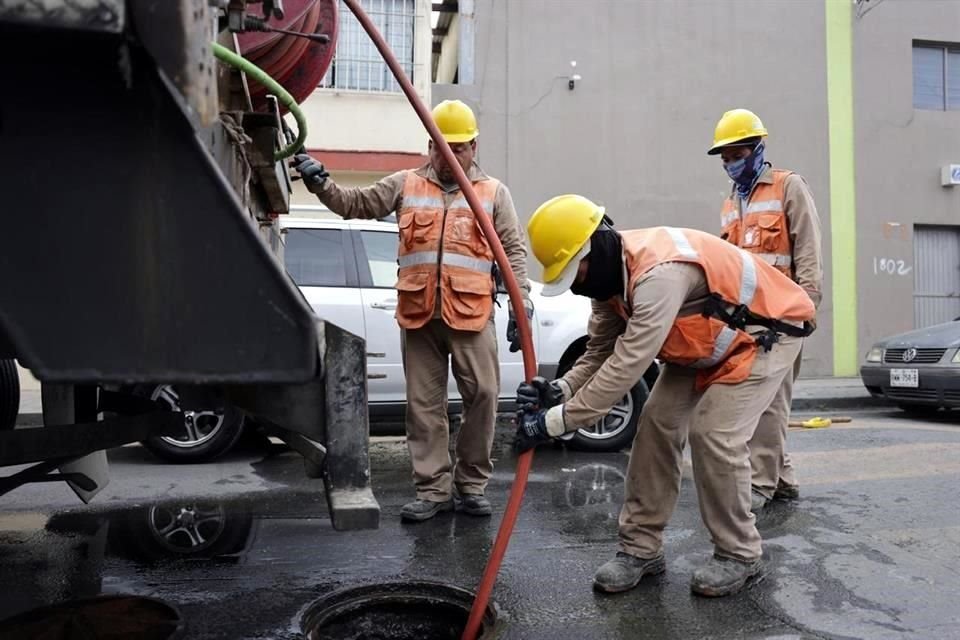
x=745, y=170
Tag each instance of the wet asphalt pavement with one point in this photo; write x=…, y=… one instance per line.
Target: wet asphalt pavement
x=872, y=550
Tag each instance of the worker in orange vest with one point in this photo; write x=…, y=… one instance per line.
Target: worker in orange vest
x=728, y=327
x=770, y=213
x=445, y=297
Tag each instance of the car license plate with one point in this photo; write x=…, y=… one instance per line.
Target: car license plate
x=905, y=378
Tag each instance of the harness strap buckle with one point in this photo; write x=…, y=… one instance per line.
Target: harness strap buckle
x=767, y=339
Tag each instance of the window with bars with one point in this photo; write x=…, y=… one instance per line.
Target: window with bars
x=936, y=76
x=357, y=65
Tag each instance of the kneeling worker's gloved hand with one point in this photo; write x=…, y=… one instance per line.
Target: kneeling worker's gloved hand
x=531, y=430
x=312, y=172
x=538, y=394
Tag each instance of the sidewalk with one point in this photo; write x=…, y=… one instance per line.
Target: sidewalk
x=809, y=395
x=818, y=394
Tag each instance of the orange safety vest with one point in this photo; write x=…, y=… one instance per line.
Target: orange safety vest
x=442, y=250
x=762, y=228
x=737, y=281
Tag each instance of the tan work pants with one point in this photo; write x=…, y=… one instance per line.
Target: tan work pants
x=769, y=459
x=719, y=423
x=428, y=353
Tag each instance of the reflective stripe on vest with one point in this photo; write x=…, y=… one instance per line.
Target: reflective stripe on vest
x=748, y=281
x=421, y=202
x=461, y=203
x=451, y=259
x=683, y=245
x=727, y=218
x=776, y=259
x=720, y=347
x=766, y=205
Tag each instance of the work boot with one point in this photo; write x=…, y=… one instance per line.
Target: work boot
x=420, y=510
x=758, y=501
x=473, y=505
x=786, y=491
x=723, y=576
x=625, y=571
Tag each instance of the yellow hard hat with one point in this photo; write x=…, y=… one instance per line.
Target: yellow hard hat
x=455, y=121
x=736, y=126
x=559, y=232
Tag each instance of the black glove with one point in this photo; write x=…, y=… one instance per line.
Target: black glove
x=531, y=430
x=538, y=394
x=513, y=334
x=312, y=172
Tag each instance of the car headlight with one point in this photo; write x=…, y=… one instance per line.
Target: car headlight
x=956, y=357
x=875, y=355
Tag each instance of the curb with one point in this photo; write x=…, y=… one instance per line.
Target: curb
x=806, y=405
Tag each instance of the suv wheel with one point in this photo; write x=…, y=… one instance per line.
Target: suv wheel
x=206, y=434
x=615, y=430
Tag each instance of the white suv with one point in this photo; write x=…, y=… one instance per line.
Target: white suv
x=347, y=271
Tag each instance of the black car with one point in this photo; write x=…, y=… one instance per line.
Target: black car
x=919, y=370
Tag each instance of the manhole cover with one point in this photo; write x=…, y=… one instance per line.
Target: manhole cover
x=394, y=611
x=102, y=618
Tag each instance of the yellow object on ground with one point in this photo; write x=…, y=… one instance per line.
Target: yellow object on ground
x=819, y=423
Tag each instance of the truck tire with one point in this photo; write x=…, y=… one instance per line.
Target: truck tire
x=207, y=435
x=9, y=394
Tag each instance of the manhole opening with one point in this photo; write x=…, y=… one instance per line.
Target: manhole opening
x=394, y=611
x=115, y=616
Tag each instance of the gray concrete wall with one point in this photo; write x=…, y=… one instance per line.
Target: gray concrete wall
x=899, y=152
x=656, y=76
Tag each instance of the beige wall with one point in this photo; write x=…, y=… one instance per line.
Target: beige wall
x=899, y=152
x=361, y=121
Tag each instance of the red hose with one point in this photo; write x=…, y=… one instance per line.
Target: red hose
x=516, y=300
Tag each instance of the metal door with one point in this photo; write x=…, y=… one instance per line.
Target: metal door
x=936, y=284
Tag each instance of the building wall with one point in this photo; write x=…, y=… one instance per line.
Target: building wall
x=449, y=57
x=656, y=76
x=360, y=121
x=899, y=152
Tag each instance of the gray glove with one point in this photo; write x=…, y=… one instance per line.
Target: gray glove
x=312, y=172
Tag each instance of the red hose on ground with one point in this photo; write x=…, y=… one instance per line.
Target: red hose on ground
x=516, y=300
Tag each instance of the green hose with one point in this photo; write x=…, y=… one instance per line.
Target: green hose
x=258, y=74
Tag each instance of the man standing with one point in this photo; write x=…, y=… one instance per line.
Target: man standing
x=728, y=327
x=445, y=291
x=770, y=213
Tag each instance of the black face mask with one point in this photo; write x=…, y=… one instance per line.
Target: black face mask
x=605, y=269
